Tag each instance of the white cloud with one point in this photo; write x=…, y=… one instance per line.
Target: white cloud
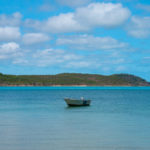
x=63, y=23
x=10, y=20
x=84, y=18
x=34, y=38
x=54, y=57
x=102, y=14
x=9, y=33
x=10, y=50
x=9, y=47
x=73, y=3
x=89, y=42
x=139, y=27
x=9, y=30
x=63, y=59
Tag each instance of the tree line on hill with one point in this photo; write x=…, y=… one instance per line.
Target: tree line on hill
x=71, y=79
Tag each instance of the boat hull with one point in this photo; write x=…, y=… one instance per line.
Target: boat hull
x=73, y=102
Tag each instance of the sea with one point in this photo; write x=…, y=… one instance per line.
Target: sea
x=37, y=118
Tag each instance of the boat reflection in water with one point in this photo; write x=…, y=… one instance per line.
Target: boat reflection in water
x=77, y=102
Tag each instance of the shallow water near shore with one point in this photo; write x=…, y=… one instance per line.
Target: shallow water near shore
x=37, y=118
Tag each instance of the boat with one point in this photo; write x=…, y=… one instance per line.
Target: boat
x=77, y=102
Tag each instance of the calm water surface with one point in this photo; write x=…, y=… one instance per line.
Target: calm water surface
x=37, y=118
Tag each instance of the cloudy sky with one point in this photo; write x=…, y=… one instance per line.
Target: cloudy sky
x=83, y=36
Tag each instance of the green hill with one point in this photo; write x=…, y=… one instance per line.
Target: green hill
x=70, y=79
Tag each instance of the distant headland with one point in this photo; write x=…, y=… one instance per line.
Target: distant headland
x=72, y=79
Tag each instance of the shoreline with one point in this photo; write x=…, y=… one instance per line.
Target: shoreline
x=73, y=86
x=72, y=80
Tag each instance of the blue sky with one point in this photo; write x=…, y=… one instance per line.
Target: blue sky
x=83, y=36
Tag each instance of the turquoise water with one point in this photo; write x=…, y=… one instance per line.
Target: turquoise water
x=37, y=118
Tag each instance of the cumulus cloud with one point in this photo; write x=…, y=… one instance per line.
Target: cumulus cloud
x=9, y=33
x=57, y=24
x=84, y=18
x=9, y=50
x=34, y=38
x=9, y=30
x=54, y=57
x=10, y=20
x=139, y=27
x=89, y=42
x=9, y=47
x=102, y=14
x=63, y=23
x=63, y=59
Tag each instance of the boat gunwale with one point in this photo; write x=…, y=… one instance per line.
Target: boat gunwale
x=70, y=101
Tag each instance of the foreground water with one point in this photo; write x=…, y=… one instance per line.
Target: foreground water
x=37, y=118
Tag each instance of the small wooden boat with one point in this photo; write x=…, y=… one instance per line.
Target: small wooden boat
x=77, y=102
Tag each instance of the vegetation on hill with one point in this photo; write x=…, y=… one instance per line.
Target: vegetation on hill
x=70, y=79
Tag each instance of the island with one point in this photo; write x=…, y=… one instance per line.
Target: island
x=72, y=79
